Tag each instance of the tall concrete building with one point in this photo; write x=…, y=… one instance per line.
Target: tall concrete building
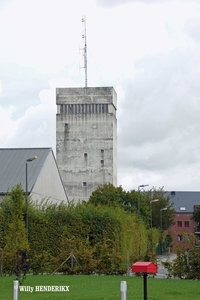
x=86, y=139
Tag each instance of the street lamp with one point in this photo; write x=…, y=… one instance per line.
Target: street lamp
x=165, y=208
x=27, y=161
x=140, y=186
x=152, y=201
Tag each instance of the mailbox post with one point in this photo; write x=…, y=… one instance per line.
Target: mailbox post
x=145, y=268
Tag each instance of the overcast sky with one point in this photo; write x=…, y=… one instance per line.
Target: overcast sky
x=148, y=50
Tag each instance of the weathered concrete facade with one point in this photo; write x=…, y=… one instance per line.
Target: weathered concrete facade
x=86, y=139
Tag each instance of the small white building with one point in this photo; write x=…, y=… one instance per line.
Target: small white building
x=40, y=176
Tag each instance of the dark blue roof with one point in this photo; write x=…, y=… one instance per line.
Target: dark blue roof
x=13, y=167
x=184, y=201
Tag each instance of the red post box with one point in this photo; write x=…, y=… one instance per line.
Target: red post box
x=145, y=268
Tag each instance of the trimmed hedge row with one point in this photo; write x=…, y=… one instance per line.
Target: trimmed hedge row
x=81, y=238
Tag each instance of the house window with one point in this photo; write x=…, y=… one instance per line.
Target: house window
x=186, y=224
x=182, y=208
x=179, y=223
x=186, y=237
x=84, y=183
x=179, y=238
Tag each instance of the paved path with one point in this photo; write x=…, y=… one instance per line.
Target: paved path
x=162, y=271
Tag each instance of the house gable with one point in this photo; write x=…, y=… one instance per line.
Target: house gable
x=49, y=185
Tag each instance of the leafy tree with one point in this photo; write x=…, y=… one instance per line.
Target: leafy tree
x=106, y=194
x=196, y=214
x=132, y=201
x=186, y=264
x=15, y=240
x=166, y=217
x=110, y=195
x=22, y=265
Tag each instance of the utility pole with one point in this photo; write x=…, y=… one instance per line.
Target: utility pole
x=85, y=48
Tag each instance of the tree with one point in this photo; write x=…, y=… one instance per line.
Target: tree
x=196, y=214
x=106, y=194
x=16, y=244
x=129, y=201
x=166, y=217
x=186, y=264
x=110, y=195
x=137, y=203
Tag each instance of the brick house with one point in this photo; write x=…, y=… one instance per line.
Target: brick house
x=184, y=227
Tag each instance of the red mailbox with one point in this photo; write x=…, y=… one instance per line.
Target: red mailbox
x=144, y=267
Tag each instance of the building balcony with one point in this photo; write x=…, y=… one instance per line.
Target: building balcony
x=197, y=230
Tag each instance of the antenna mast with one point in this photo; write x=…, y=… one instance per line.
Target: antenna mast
x=85, y=49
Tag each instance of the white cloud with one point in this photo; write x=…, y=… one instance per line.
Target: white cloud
x=37, y=127
x=161, y=107
x=150, y=53
x=0, y=88
x=7, y=126
x=114, y=3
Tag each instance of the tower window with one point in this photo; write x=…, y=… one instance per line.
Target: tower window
x=85, y=158
x=102, y=151
x=102, y=163
x=66, y=131
x=61, y=108
x=84, y=183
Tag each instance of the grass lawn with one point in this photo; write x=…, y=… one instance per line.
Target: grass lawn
x=85, y=287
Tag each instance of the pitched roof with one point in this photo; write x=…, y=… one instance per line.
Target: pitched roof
x=13, y=167
x=184, y=201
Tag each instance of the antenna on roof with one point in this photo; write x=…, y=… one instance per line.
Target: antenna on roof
x=85, y=48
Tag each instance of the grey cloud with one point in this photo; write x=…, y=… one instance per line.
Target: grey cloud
x=159, y=123
x=20, y=86
x=4, y=3
x=36, y=128
x=192, y=29
x=114, y=3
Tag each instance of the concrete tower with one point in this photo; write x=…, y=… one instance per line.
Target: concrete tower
x=86, y=139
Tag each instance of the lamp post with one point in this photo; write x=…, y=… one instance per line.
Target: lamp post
x=165, y=208
x=152, y=201
x=27, y=161
x=140, y=186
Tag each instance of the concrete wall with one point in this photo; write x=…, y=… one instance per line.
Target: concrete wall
x=86, y=139
x=49, y=184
